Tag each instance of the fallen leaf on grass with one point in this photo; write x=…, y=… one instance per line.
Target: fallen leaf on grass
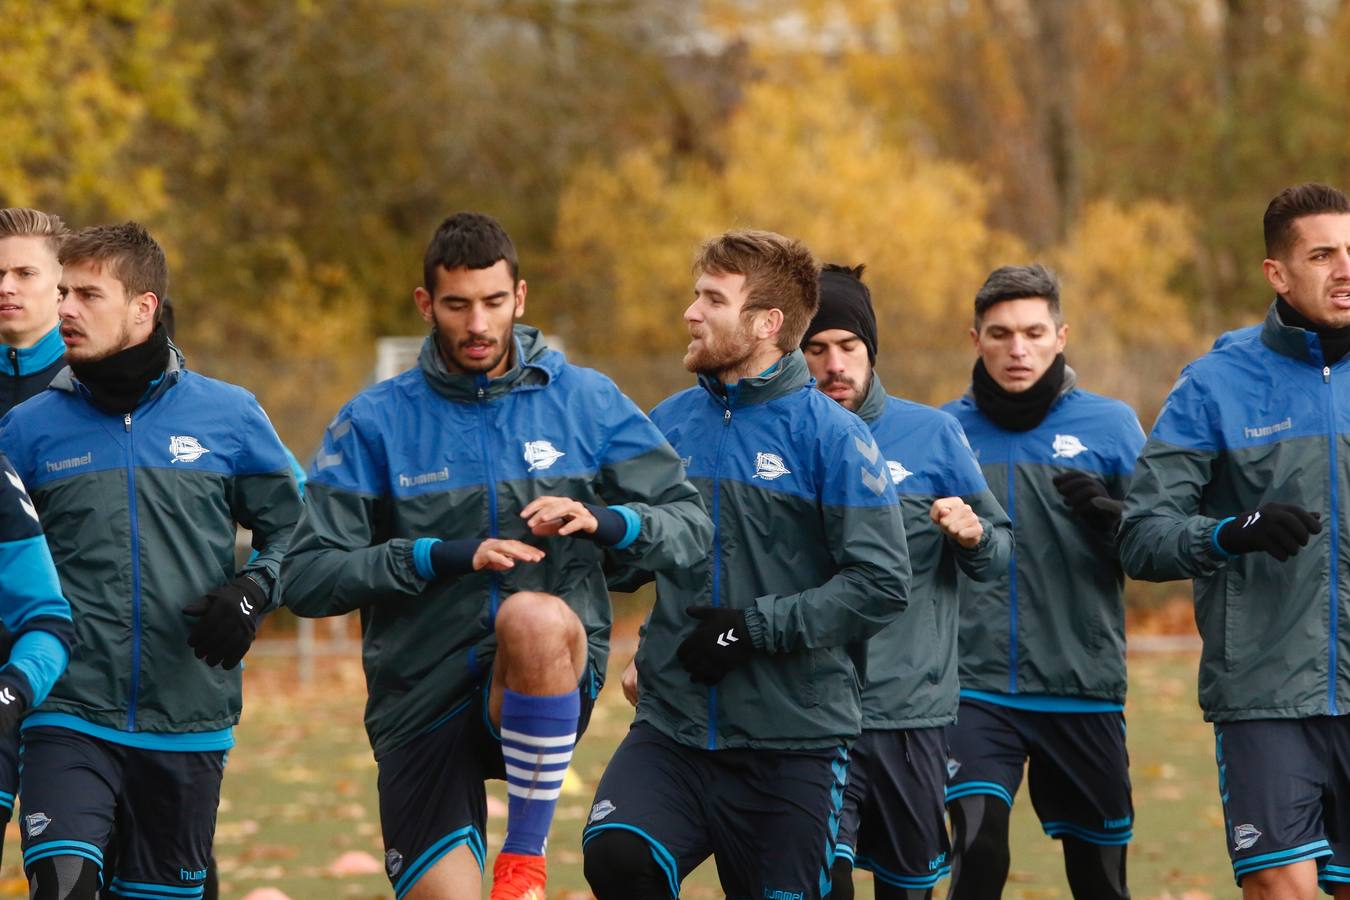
x=354, y=862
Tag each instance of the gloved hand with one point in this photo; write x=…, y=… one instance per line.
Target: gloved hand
x=228, y=621
x=1087, y=496
x=1279, y=529
x=16, y=696
x=719, y=643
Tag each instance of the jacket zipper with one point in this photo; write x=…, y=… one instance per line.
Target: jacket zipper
x=1335, y=540
x=717, y=560
x=494, y=590
x=135, y=577
x=1012, y=570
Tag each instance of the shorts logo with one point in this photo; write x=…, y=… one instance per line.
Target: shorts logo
x=185, y=448
x=936, y=862
x=393, y=863
x=36, y=823
x=780, y=894
x=599, y=811
x=953, y=767
x=770, y=466
x=1067, y=446
x=1245, y=836
x=192, y=876
x=541, y=455
x=898, y=472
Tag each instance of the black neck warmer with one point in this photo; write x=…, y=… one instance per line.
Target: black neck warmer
x=1335, y=341
x=118, y=382
x=1021, y=411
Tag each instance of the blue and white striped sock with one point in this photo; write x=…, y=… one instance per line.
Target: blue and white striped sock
x=538, y=734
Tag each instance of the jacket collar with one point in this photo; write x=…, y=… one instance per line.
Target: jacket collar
x=874, y=404
x=46, y=352
x=65, y=380
x=535, y=366
x=1289, y=340
x=787, y=375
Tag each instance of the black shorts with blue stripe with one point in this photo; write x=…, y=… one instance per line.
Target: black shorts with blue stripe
x=1285, y=788
x=432, y=794
x=768, y=817
x=893, y=822
x=1078, y=770
x=146, y=818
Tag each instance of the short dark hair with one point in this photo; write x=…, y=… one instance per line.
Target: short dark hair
x=132, y=255
x=780, y=273
x=1019, y=283
x=468, y=240
x=1292, y=204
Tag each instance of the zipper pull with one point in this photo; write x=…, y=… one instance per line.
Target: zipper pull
x=1326, y=374
x=481, y=393
x=126, y=421
x=726, y=417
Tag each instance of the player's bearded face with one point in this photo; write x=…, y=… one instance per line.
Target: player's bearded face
x=721, y=335
x=473, y=314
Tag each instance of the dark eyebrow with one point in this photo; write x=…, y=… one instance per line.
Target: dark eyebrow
x=453, y=297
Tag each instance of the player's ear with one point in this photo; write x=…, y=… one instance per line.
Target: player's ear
x=422, y=298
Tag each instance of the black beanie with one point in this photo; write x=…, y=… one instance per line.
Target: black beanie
x=845, y=302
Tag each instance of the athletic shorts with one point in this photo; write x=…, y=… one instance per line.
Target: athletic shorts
x=1078, y=771
x=152, y=813
x=769, y=817
x=432, y=793
x=893, y=822
x=1285, y=787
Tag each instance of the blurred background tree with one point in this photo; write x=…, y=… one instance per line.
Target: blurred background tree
x=294, y=157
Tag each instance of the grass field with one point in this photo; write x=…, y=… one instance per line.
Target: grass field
x=299, y=796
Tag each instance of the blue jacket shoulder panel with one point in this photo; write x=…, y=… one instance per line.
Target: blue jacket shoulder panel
x=198, y=423
x=802, y=443
x=401, y=437
x=1083, y=430
x=927, y=451
x=1245, y=394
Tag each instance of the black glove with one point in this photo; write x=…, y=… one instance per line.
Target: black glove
x=16, y=696
x=719, y=643
x=1088, y=498
x=1279, y=529
x=229, y=621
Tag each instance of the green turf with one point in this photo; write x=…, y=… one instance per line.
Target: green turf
x=300, y=792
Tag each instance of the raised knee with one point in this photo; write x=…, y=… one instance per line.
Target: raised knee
x=619, y=866
x=532, y=617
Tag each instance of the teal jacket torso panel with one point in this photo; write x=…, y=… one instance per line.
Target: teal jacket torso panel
x=1055, y=622
x=140, y=513
x=431, y=454
x=808, y=540
x=912, y=663
x=1260, y=419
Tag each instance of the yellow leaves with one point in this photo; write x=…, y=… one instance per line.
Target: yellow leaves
x=77, y=87
x=1120, y=264
x=806, y=160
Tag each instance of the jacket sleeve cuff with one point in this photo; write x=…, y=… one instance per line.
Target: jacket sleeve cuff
x=1214, y=539
x=632, y=527
x=421, y=557
x=758, y=627
x=985, y=535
